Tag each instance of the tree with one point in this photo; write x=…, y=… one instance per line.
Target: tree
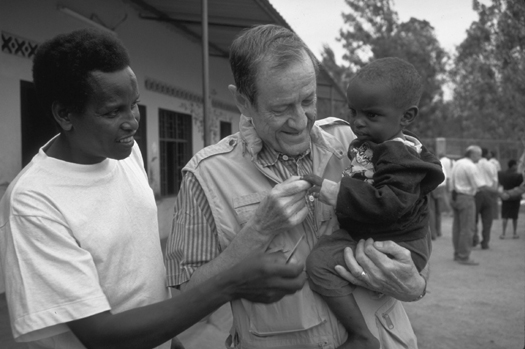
x=489, y=73
x=372, y=30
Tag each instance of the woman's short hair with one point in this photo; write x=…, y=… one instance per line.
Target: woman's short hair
x=264, y=42
x=62, y=66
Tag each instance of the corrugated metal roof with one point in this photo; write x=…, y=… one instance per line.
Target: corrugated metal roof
x=225, y=19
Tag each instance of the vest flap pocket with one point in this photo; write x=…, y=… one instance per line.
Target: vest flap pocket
x=327, y=212
x=293, y=313
x=246, y=205
x=395, y=330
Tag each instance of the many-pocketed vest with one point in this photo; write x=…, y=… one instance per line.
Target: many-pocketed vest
x=234, y=184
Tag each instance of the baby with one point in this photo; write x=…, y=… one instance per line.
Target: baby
x=383, y=194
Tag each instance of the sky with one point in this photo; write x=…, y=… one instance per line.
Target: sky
x=318, y=22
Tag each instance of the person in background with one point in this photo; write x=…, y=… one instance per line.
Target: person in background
x=485, y=200
x=383, y=193
x=79, y=237
x=447, y=164
x=258, y=203
x=510, y=204
x=466, y=181
x=438, y=203
x=494, y=160
x=495, y=200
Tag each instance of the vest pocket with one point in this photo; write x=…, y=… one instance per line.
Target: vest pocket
x=293, y=313
x=394, y=326
x=246, y=205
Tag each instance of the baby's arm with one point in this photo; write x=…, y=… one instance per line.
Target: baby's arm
x=323, y=189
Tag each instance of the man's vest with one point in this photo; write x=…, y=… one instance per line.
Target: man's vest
x=235, y=183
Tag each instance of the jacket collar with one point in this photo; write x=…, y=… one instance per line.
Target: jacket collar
x=253, y=144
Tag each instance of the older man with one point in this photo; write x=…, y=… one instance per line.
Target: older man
x=244, y=195
x=466, y=181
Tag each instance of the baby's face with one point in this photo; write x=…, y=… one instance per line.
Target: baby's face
x=374, y=115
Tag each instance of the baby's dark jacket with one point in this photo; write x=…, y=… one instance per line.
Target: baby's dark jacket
x=395, y=206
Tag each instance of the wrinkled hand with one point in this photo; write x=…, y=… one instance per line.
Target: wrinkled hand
x=266, y=278
x=282, y=209
x=388, y=267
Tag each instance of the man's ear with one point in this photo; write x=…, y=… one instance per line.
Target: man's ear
x=241, y=101
x=62, y=114
x=409, y=116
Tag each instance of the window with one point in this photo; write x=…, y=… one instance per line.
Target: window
x=226, y=129
x=175, y=138
x=38, y=127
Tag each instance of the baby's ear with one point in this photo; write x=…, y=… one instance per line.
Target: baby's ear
x=409, y=116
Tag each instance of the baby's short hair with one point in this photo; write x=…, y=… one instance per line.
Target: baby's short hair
x=402, y=77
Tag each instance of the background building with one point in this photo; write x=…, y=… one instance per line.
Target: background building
x=165, y=42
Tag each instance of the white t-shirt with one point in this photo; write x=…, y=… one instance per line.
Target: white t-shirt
x=77, y=240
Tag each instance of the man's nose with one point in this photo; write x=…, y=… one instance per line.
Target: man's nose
x=298, y=119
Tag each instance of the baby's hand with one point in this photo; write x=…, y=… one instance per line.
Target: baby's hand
x=313, y=179
x=316, y=182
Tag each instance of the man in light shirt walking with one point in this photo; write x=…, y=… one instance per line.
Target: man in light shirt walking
x=466, y=181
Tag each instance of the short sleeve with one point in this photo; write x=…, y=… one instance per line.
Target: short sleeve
x=50, y=279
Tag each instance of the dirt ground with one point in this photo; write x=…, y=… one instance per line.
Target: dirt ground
x=474, y=307
x=466, y=307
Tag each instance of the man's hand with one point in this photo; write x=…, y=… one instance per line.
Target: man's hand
x=266, y=278
x=282, y=209
x=387, y=267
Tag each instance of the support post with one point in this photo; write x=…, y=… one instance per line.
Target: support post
x=206, y=105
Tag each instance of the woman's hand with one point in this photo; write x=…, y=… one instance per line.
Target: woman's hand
x=265, y=277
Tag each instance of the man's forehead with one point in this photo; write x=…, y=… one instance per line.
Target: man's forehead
x=273, y=77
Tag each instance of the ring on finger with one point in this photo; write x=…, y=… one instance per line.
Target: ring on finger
x=363, y=274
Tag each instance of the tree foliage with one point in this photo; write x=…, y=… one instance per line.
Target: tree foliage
x=372, y=30
x=489, y=73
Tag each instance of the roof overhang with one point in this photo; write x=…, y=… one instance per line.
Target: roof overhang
x=226, y=18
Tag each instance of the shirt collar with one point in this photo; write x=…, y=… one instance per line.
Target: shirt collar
x=268, y=156
x=258, y=150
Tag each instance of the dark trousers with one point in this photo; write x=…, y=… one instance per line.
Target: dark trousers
x=464, y=207
x=484, y=208
x=435, y=199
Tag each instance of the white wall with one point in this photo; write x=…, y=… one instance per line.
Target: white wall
x=157, y=51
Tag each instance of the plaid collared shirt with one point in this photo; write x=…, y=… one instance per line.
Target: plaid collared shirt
x=197, y=242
